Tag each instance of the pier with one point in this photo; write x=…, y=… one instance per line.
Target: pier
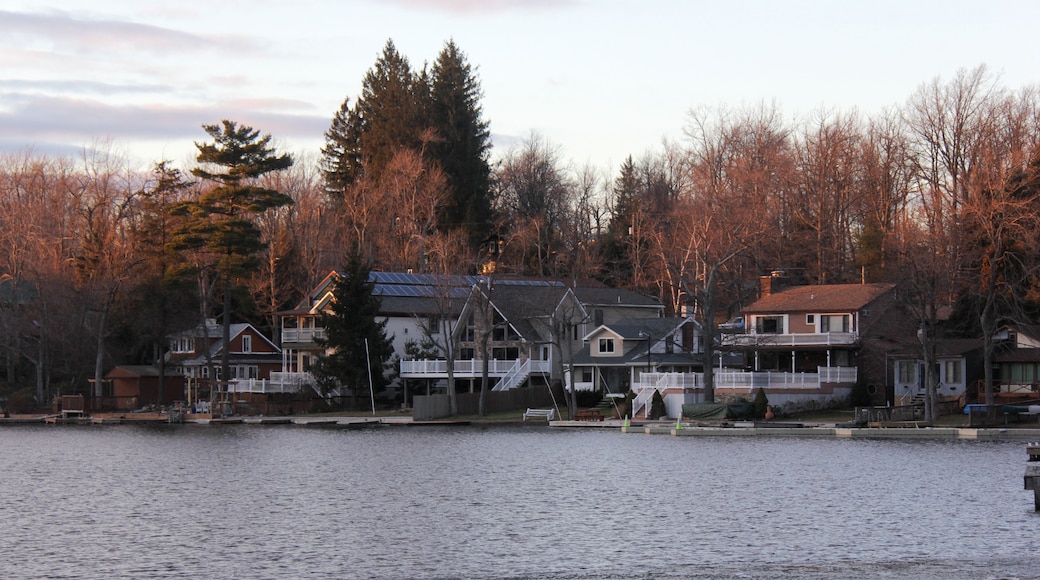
x=1032, y=477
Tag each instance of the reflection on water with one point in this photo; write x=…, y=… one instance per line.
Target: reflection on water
x=276, y=502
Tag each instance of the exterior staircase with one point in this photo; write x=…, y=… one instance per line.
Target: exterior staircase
x=515, y=377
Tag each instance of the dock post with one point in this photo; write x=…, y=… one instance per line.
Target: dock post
x=1032, y=477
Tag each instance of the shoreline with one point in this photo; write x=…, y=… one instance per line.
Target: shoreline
x=734, y=429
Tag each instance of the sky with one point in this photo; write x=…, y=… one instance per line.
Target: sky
x=599, y=80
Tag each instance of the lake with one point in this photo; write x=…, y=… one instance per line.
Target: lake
x=250, y=501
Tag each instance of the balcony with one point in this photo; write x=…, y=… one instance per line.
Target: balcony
x=791, y=340
x=302, y=335
x=748, y=382
x=472, y=368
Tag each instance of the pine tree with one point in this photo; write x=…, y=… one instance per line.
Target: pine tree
x=356, y=342
x=222, y=217
x=160, y=296
x=464, y=143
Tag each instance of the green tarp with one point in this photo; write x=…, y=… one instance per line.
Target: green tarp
x=718, y=410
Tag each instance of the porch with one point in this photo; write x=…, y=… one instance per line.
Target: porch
x=791, y=340
x=510, y=373
x=680, y=388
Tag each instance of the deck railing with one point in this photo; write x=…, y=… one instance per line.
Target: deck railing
x=278, y=383
x=302, y=334
x=792, y=340
x=748, y=380
x=438, y=368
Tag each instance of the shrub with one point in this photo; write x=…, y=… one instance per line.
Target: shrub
x=657, y=409
x=761, y=403
x=588, y=398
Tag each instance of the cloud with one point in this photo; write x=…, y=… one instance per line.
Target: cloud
x=30, y=119
x=483, y=6
x=81, y=87
x=77, y=34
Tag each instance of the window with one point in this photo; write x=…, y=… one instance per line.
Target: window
x=505, y=353
x=810, y=319
x=247, y=343
x=953, y=371
x=606, y=345
x=182, y=344
x=769, y=324
x=905, y=370
x=840, y=358
x=1022, y=373
x=586, y=376
x=834, y=323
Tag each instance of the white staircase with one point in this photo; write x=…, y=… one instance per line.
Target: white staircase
x=516, y=376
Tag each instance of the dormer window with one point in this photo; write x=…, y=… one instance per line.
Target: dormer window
x=606, y=345
x=183, y=345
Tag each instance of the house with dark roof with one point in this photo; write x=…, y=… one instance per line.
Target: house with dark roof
x=411, y=304
x=641, y=355
x=533, y=329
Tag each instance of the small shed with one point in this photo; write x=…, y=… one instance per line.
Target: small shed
x=136, y=386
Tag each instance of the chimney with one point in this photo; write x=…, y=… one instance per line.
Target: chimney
x=770, y=284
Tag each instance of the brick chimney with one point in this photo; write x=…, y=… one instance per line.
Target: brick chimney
x=770, y=284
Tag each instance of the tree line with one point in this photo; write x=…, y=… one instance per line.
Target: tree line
x=101, y=262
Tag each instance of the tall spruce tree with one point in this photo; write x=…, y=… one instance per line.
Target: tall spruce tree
x=222, y=217
x=435, y=112
x=356, y=343
x=464, y=143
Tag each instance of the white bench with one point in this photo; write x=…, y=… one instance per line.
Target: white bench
x=549, y=414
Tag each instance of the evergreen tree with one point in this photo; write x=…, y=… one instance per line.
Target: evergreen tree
x=160, y=297
x=435, y=113
x=341, y=154
x=618, y=240
x=463, y=144
x=222, y=217
x=356, y=342
x=626, y=200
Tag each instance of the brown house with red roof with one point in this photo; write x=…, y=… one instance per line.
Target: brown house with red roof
x=806, y=329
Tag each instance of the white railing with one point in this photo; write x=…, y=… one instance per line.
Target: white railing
x=519, y=373
x=272, y=385
x=302, y=334
x=793, y=340
x=516, y=374
x=438, y=368
x=738, y=380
